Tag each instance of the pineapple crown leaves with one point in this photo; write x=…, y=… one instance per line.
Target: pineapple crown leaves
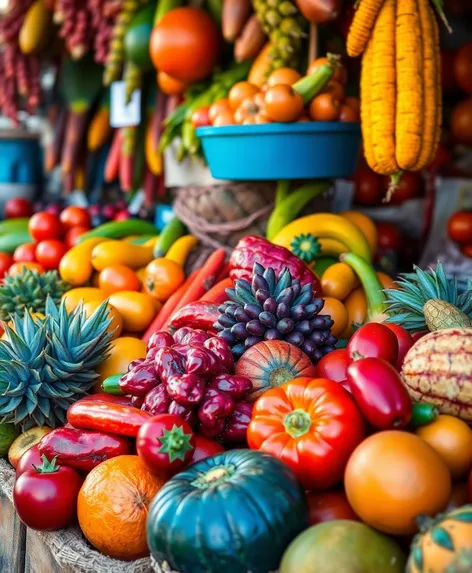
x=46, y=365
x=406, y=303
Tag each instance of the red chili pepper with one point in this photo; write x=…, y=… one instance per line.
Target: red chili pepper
x=107, y=417
x=82, y=449
x=380, y=393
x=199, y=315
x=104, y=397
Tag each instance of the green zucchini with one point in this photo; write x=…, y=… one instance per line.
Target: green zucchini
x=121, y=229
x=11, y=241
x=170, y=233
x=13, y=226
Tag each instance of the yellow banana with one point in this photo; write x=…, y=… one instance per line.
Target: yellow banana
x=180, y=250
x=303, y=237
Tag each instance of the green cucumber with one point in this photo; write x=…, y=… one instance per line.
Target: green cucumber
x=423, y=414
x=121, y=229
x=141, y=240
x=11, y=241
x=13, y=226
x=170, y=233
x=310, y=86
x=111, y=385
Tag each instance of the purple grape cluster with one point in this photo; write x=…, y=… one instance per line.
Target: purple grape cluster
x=190, y=375
x=275, y=308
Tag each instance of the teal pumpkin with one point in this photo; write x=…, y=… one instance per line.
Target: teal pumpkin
x=232, y=513
x=271, y=363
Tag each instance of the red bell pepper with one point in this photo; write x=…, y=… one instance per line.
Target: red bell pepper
x=107, y=416
x=197, y=315
x=380, y=393
x=105, y=397
x=82, y=449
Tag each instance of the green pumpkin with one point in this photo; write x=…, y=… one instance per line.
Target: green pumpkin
x=231, y=513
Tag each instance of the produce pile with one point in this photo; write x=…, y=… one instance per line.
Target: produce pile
x=293, y=368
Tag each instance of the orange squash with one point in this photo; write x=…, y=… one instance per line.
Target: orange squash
x=443, y=544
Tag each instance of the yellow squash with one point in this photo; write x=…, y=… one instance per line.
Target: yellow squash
x=35, y=33
x=76, y=265
x=75, y=296
x=121, y=253
x=136, y=308
x=338, y=281
x=181, y=249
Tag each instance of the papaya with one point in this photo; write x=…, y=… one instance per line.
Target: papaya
x=35, y=31
x=342, y=546
x=137, y=38
x=118, y=252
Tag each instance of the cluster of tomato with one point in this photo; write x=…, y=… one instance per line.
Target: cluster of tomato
x=459, y=229
x=278, y=101
x=53, y=235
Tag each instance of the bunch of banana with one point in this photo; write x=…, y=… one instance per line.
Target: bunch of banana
x=286, y=28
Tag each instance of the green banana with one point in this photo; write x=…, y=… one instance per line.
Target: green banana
x=120, y=229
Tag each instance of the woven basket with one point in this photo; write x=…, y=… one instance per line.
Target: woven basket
x=165, y=568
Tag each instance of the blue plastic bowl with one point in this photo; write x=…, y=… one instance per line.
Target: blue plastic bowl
x=274, y=151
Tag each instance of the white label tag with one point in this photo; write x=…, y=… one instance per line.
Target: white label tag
x=122, y=114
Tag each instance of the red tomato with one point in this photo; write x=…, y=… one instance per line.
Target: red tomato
x=28, y=459
x=49, y=253
x=205, y=448
x=405, y=342
x=46, y=498
x=328, y=506
x=466, y=250
x=459, y=227
x=442, y=158
x=333, y=366
x=409, y=187
x=75, y=217
x=367, y=187
x=185, y=44
x=43, y=226
x=25, y=253
x=201, y=117
x=73, y=234
x=389, y=236
x=18, y=207
x=6, y=262
x=373, y=340
x=313, y=425
x=165, y=443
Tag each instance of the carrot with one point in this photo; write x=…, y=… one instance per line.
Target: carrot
x=234, y=15
x=362, y=26
x=112, y=165
x=203, y=281
x=99, y=129
x=217, y=294
x=224, y=273
x=128, y=144
x=431, y=94
x=383, y=92
x=410, y=91
x=168, y=308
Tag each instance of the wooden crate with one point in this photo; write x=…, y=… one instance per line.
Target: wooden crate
x=12, y=539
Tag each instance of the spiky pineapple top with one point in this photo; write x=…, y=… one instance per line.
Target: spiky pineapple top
x=275, y=308
x=29, y=291
x=429, y=299
x=47, y=364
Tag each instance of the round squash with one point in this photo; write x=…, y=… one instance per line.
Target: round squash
x=271, y=363
x=444, y=544
x=342, y=546
x=236, y=511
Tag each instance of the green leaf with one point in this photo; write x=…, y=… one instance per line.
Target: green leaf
x=417, y=555
x=442, y=538
x=465, y=515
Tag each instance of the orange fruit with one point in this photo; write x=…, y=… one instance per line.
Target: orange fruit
x=123, y=351
x=75, y=296
x=338, y=312
x=162, y=278
x=117, y=278
x=285, y=76
x=116, y=325
x=113, y=505
x=452, y=439
x=18, y=268
x=392, y=477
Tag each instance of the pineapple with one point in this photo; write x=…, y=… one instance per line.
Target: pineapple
x=429, y=300
x=29, y=291
x=47, y=364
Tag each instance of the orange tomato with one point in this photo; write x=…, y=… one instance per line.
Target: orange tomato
x=116, y=324
x=452, y=440
x=285, y=76
x=348, y=114
x=283, y=103
x=356, y=306
x=392, y=477
x=340, y=73
x=113, y=504
x=324, y=107
x=217, y=108
x=162, y=278
x=336, y=89
x=117, y=278
x=252, y=111
x=225, y=118
x=169, y=85
x=353, y=102
x=18, y=268
x=338, y=312
x=239, y=92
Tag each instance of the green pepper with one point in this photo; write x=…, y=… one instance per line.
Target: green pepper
x=423, y=414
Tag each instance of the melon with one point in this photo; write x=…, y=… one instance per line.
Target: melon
x=438, y=370
x=271, y=363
